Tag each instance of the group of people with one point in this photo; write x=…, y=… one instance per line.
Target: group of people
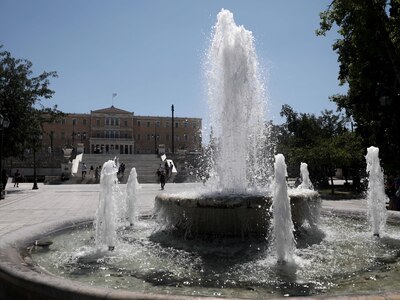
x=95, y=172
x=164, y=173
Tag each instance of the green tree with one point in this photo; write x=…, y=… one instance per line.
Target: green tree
x=369, y=62
x=323, y=142
x=21, y=96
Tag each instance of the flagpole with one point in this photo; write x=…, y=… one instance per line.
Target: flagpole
x=112, y=98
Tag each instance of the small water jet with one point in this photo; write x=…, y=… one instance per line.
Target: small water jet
x=132, y=187
x=305, y=177
x=107, y=212
x=376, y=196
x=282, y=216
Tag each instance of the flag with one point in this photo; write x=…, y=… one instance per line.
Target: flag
x=114, y=95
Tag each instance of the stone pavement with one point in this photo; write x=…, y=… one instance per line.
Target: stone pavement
x=23, y=206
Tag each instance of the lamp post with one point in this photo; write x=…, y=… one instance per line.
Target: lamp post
x=35, y=186
x=51, y=136
x=173, y=125
x=82, y=136
x=4, y=123
x=73, y=135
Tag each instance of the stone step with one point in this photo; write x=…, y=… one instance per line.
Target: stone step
x=146, y=166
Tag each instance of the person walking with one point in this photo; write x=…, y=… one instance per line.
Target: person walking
x=162, y=179
x=166, y=167
x=84, y=168
x=97, y=174
x=4, y=178
x=17, y=178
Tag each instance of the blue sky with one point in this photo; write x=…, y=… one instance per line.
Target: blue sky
x=151, y=52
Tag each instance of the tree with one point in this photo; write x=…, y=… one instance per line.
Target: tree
x=323, y=142
x=21, y=96
x=369, y=57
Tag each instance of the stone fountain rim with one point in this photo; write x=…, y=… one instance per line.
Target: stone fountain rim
x=17, y=273
x=227, y=200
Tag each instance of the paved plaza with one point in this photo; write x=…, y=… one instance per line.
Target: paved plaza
x=24, y=207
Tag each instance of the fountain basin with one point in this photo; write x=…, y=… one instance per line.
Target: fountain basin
x=217, y=214
x=22, y=278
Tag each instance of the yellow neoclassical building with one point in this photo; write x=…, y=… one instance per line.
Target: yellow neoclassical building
x=114, y=130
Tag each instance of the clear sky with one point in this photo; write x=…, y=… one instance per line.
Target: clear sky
x=151, y=52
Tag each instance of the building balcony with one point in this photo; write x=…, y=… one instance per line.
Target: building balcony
x=109, y=140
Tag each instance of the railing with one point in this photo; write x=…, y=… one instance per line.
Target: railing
x=102, y=140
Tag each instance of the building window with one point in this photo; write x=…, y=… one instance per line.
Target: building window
x=138, y=123
x=185, y=137
x=138, y=137
x=126, y=135
x=107, y=121
x=98, y=134
x=84, y=121
x=176, y=124
x=73, y=121
x=126, y=123
x=167, y=124
x=98, y=122
x=177, y=138
x=158, y=124
x=186, y=124
x=148, y=123
x=63, y=121
x=116, y=122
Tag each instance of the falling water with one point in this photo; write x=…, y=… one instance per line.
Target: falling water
x=132, y=188
x=282, y=216
x=305, y=178
x=107, y=215
x=236, y=99
x=376, y=192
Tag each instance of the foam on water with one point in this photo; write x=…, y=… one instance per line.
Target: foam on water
x=151, y=262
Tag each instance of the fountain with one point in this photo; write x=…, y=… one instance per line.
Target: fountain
x=132, y=188
x=305, y=177
x=214, y=242
x=376, y=192
x=237, y=198
x=283, y=224
x=106, y=215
